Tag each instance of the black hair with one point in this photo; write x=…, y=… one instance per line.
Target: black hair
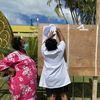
x=16, y=43
x=51, y=44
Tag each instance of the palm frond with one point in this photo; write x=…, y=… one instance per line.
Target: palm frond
x=58, y=11
x=32, y=47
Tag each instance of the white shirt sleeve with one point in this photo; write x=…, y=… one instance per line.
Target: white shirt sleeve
x=43, y=48
x=61, y=46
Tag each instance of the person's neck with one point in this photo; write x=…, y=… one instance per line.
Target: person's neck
x=22, y=51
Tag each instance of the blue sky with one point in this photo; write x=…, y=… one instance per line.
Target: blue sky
x=20, y=12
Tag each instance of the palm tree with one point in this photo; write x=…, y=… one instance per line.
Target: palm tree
x=87, y=10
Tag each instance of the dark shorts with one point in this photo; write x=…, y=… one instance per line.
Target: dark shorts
x=57, y=91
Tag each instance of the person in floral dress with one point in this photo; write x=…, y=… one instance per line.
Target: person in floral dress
x=22, y=84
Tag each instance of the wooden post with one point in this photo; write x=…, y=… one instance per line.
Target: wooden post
x=95, y=81
x=94, y=88
x=98, y=12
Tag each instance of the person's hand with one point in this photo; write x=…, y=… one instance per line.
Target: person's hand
x=51, y=35
x=11, y=72
x=7, y=72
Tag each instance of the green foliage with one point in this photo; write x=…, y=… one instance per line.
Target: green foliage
x=6, y=51
x=87, y=9
x=32, y=48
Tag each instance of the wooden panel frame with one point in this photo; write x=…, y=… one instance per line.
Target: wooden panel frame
x=85, y=66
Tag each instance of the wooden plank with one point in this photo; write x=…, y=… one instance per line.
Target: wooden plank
x=98, y=58
x=94, y=88
x=81, y=49
x=98, y=12
x=82, y=71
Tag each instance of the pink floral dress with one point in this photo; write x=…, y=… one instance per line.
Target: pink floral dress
x=23, y=85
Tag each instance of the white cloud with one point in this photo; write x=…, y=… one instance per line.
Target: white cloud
x=13, y=9
x=14, y=18
x=18, y=20
x=28, y=7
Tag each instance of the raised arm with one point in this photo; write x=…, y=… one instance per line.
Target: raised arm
x=61, y=38
x=59, y=34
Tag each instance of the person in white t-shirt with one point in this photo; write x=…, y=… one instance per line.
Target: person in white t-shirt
x=54, y=77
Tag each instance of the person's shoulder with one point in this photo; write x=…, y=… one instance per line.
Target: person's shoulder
x=14, y=53
x=61, y=45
